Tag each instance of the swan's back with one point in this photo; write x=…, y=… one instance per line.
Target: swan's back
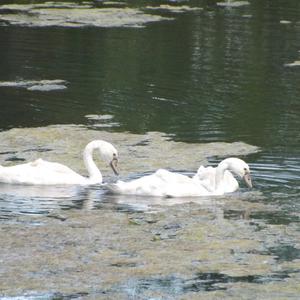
x=162, y=183
x=149, y=185
x=39, y=172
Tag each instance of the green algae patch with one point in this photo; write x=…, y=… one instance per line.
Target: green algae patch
x=233, y=3
x=175, y=8
x=98, y=253
x=137, y=153
x=296, y=63
x=36, y=85
x=74, y=15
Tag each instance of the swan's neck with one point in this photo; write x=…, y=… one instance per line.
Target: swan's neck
x=220, y=171
x=94, y=172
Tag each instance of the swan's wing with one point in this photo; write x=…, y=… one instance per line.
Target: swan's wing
x=205, y=172
x=171, y=177
x=206, y=176
x=162, y=183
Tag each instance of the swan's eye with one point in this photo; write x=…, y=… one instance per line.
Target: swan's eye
x=247, y=171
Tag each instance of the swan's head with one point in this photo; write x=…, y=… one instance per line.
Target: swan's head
x=114, y=163
x=240, y=168
x=108, y=153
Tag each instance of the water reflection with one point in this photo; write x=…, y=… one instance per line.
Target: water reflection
x=25, y=199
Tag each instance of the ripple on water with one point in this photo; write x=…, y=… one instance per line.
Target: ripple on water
x=278, y=177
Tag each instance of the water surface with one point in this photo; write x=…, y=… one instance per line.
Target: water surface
x=190, y=73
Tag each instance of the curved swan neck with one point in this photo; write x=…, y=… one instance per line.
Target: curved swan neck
x=220, y=170
x=89, y=163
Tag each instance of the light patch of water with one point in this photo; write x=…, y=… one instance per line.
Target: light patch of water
x=101, y=121
x=99, y=117
x=46, y=87
x=285, y=22
x=36, y=85
x=113, y=3
x=74, y=15
x=51, y=4
x=230, y=3
x=296, y=63
x=174, y=9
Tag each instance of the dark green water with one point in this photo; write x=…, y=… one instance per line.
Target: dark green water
x=213, y=75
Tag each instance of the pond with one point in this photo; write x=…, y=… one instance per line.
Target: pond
x=172, y=84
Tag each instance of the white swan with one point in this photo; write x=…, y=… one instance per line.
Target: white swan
x=41, y=172
x=208, y=181
x=220, y=180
